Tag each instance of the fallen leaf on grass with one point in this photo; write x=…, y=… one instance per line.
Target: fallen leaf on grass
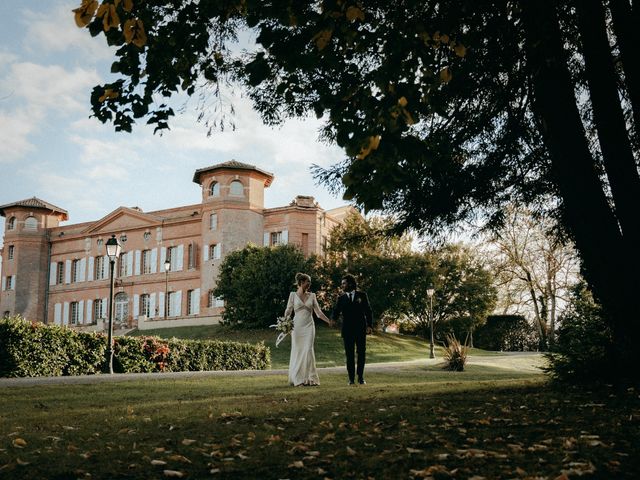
x=351, y=451
x=158, y=462
x=414, y=450
x=179, y=458
x=22, y=463
x=19, y=442
x=296, y=464
x=430, y=471
x=188, y=441
x=173, y=473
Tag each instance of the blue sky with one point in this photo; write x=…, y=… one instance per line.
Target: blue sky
x=51, y=149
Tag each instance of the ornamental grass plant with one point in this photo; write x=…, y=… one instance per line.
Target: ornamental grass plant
x=455, y=354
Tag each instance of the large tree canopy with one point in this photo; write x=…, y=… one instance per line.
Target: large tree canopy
x=445, y=109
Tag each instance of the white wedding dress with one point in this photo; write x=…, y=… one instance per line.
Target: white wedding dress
x=302, y=362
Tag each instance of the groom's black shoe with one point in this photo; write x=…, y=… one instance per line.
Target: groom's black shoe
x=361, y=381
x=351, y=382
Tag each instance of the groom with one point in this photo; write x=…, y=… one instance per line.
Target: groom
x=357, y=322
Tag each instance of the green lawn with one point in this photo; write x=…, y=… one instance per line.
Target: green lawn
x=381, y=347
x=408, y=422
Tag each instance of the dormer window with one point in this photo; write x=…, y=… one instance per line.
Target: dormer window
x=236, y=188
x=214, y=189
x=11, y=223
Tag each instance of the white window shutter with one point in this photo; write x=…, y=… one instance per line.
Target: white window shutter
x=89, y=311
x=57, y=314
x=53, y=273
x=90, y=275
x=136, y=264
x=152, y=305
x=83, y=269
x=196, y=301
x=163, y=257
x=4, y=283
x=177, y=305
x=154, y=260
x=266, y=239
x=205, y=252
x=161, y=304
x=65, y=314
x=180, y=259
x=129, y=264
x=81, y=311
x=105, y=308
x=136, y=306
x=216, y=251
x=67, y=271
x=213, y=221
x=285, y=237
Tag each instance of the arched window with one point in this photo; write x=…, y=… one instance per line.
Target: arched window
x=11, y=223
x=31, y=223
x=214, y=189
x=236, y=188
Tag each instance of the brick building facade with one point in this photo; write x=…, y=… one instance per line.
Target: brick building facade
x=60, y=273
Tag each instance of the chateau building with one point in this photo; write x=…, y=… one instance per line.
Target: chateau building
x=60, y=273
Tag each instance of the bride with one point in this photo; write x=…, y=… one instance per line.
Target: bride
x=302, y=363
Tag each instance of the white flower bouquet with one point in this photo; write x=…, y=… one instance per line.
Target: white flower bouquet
x=284, y=326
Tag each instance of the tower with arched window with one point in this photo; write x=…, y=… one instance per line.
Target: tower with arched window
x=25, y=256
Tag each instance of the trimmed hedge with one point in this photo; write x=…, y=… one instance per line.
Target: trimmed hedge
x=33, y=349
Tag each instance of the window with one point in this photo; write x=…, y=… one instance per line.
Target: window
x=214, y=251
x=146, y=261
x=236, y=188
x=122, y=265
x=276, y=238
x=211, y=299
x=172, y=256
x=11, y=223
x=214, y=189
x=147, y=236
x=99, y=268
x=213, y=221
x=75, y=270
x=191, y=302
x=75, y=311
x=100, y=242
x=192, y=255
x=60, y=270
x=98, y=309
x=10, y=282
x=31, y=223
x=174, y=309
x=219, y=302
x=10, y=252
x=145, y=305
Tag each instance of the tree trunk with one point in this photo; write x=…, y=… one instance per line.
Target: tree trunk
x=585, y=208
x=615, y=145
x=625, y=24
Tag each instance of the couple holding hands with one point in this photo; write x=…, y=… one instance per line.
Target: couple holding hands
x=357, y=322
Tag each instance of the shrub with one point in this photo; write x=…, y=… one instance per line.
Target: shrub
x=508, y=333
x=34, y=349
x=455, y=354
x=584, y=342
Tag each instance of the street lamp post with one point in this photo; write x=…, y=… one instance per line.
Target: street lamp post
x=430, y=292
x=167, y=267
x=113, y=252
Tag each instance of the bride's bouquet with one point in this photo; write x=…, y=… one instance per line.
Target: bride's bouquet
x=284, y=326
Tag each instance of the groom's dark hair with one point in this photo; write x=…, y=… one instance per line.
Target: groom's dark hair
x=351, y=281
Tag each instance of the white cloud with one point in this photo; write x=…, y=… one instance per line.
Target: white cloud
x=55, y=31
x=14, y=133
x=51, y=87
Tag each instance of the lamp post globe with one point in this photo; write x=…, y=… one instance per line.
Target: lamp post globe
x=113, y=252
x=430, y=292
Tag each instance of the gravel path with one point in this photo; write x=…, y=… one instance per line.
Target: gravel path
x=520, y=361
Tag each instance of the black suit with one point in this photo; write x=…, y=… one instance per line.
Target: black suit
x=356, y=318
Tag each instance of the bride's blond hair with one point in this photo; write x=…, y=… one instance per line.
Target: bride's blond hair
x=301, y=277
